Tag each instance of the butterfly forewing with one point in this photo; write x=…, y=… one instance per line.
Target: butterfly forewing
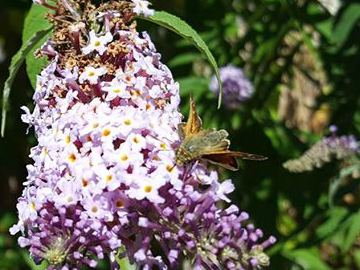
x=193, y=124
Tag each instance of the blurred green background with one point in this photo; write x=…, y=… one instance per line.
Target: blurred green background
x=304, y=61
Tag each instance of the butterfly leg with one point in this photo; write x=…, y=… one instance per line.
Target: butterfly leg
x=188, y=169
x=196, y=166
x=185, y=173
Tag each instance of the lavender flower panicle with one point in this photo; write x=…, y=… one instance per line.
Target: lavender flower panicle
x=338, y=147
x=236, y=87
x=103, y=180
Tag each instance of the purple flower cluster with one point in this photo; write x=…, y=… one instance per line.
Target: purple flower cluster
x=103, y=180
x=236, y=87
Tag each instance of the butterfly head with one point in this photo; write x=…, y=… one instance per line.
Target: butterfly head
x=182, y=156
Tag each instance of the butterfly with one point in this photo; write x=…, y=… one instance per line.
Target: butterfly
x=210, y=145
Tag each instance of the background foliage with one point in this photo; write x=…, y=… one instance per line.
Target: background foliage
x=304, y=63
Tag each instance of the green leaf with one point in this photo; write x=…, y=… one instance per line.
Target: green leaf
x=334, y=217
x=184, y=59
x=180, y=27
x=353, y=233
x=346, y=23
x=308, y=258
x=124, y=263
x=193, y=85
x=325, y=28
x=31, y=263
x=35, y=21
x=357, y=258
x=16, y=62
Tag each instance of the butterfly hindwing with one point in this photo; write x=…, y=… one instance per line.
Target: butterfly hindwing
x=215, y=141
x=248, y=156
x=182, y=130
x=242, y=155
x=224, y=160
x=227, y=159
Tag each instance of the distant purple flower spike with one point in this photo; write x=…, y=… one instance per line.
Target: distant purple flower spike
x=236, y=87
x=333, y=146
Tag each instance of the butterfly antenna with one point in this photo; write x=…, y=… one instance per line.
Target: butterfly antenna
x=169, y=141
x=161, y=140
